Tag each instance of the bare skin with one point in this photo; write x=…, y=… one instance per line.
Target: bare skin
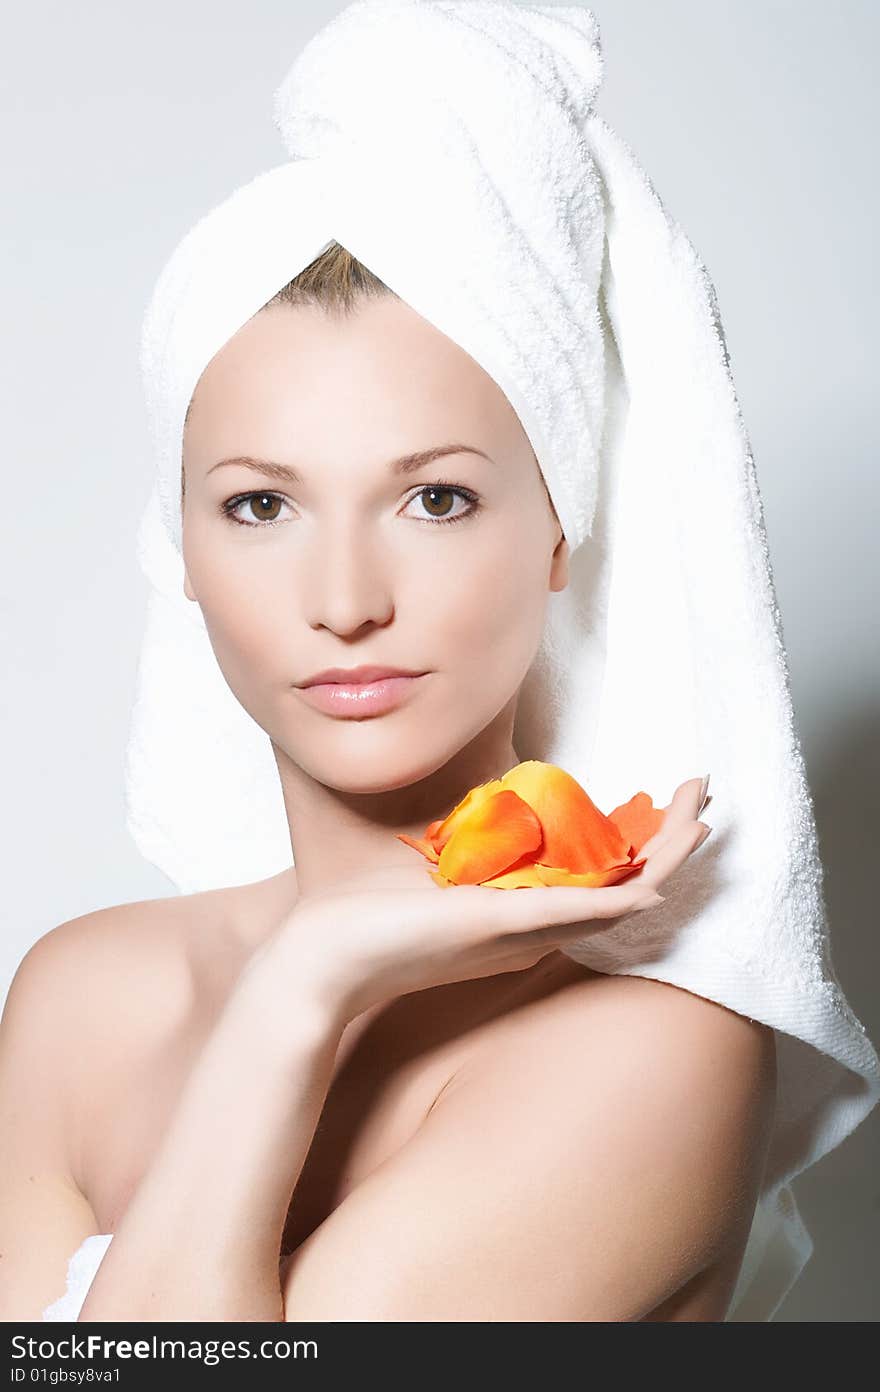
x=394, y=1061
x=149, y=1087
x=391, y=1069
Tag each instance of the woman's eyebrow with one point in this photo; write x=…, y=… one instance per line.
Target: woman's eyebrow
x=406, y=464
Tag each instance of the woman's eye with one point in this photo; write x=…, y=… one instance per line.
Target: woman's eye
x=438, y=499
x=262, y=508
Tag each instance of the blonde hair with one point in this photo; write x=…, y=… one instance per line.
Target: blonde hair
x=335, y=281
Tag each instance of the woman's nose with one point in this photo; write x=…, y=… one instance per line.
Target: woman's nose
x=348, y=580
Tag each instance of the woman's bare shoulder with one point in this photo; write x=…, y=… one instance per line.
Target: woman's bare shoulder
x=124, y=966
x=642, y=1011
x=651, y=1004
x=81, y=991
x=149, y=961
x=620, y=1032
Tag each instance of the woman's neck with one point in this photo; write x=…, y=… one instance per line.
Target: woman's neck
x=335, y=834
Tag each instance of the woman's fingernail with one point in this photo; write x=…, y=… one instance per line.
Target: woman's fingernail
x=703, y=786
x=651, y=900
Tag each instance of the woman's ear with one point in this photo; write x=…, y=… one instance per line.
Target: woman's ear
x=187, y=587
x=559, y=564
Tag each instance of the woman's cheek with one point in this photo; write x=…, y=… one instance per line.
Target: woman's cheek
x=249, y=639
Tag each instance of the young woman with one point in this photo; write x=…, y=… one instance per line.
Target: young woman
x=394, y=383
x=341, y=1093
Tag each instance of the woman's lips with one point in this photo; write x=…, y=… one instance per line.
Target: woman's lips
x=360, y=698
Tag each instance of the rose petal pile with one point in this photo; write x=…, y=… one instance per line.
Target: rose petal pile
x=537, y=826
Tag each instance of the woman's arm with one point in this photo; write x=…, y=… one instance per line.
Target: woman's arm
x=201, y=1238
x=227, y=1165
x=43, y=1214
x=598, y=1155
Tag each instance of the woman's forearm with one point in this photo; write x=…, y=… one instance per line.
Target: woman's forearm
x=200, y=1239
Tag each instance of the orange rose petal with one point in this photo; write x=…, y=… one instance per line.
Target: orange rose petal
x=577, y=835
x=425, y=847
x=498, y=830
x=522, y=877
x=638, y=820
x=438, y=833
x=497, y=838
x=590, y=879
x=431, y=831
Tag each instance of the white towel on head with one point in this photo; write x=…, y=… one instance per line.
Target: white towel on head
x=453, y=147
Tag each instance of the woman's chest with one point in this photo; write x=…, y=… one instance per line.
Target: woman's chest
x=380, y=1092
x=386, y=1078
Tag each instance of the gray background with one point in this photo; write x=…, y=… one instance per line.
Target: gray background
x=122, y=124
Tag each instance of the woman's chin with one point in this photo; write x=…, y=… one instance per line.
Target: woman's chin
x=375, y=767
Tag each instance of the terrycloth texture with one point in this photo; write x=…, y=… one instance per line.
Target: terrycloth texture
x=454, y=148
x=81, y=1271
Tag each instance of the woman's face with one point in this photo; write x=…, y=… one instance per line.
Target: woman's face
x=353, y=561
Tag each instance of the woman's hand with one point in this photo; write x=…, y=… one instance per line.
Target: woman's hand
x=386, y=932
